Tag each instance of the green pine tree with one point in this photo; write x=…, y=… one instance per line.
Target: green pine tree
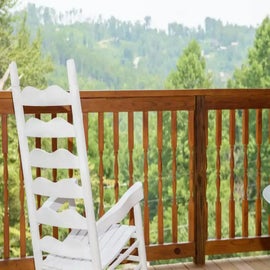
x=190, y=70
x=255, y=73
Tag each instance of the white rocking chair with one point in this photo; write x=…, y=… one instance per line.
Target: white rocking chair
x=85, y=243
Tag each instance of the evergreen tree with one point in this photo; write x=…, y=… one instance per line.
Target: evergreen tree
x=190, y=73
x=255, y=73
x=190, y=70
x=18, y=45
x=33, y=66
x=5, y=33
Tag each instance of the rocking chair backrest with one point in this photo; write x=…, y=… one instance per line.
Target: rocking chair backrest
x=65, y=198
x=64, y=189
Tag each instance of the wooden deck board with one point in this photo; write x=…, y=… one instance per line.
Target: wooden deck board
x=240, y=264
x=225, y=265
x=211, y=265
x=256, y=263
x=245, y=263
x=265, y=260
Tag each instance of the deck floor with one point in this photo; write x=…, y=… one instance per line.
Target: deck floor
x=249, y=263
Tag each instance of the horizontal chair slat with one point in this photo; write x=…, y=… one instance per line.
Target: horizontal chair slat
x=51, y=96
x=66, y=219
x=59, y=159
x=65, y=188
x=57, y=128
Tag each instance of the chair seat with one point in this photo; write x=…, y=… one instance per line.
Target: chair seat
x=63, y=263
x=111, y=243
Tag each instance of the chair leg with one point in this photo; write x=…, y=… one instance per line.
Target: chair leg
x=140, y=235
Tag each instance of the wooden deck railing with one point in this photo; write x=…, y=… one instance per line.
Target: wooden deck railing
x=202, y=155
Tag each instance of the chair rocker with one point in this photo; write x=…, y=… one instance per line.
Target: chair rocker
x=59, y=179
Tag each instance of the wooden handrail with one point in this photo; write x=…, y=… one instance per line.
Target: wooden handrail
x=188, y=111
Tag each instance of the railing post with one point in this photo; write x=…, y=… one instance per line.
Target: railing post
x=200, y=165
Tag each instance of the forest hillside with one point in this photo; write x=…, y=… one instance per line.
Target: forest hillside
x=114, y=54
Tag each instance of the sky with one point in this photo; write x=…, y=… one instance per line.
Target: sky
x=190, y=13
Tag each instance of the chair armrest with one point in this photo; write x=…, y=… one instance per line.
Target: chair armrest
x=120, y=210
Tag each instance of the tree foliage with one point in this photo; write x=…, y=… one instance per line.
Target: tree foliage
x=5, y=33
x=255, y=72
x=17, y=44
x=114, y=54
x=190, y=70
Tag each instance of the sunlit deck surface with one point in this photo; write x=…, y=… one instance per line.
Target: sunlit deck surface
x=244, y=263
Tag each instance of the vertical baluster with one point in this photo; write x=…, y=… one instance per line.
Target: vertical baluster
x=245, y=141
x=232, y=201
x=86, y=128
x=191, y=174
x=116, y=150
x=174, y=184
x=258, y=178
x=5, y=178
x=130, y=145
x=160, y=201
x=145, y=170
x=130, y=153
x=218, y=144
x=101, y=170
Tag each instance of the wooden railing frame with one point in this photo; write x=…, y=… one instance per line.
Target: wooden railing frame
x=200, y=233
x=199, y=102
